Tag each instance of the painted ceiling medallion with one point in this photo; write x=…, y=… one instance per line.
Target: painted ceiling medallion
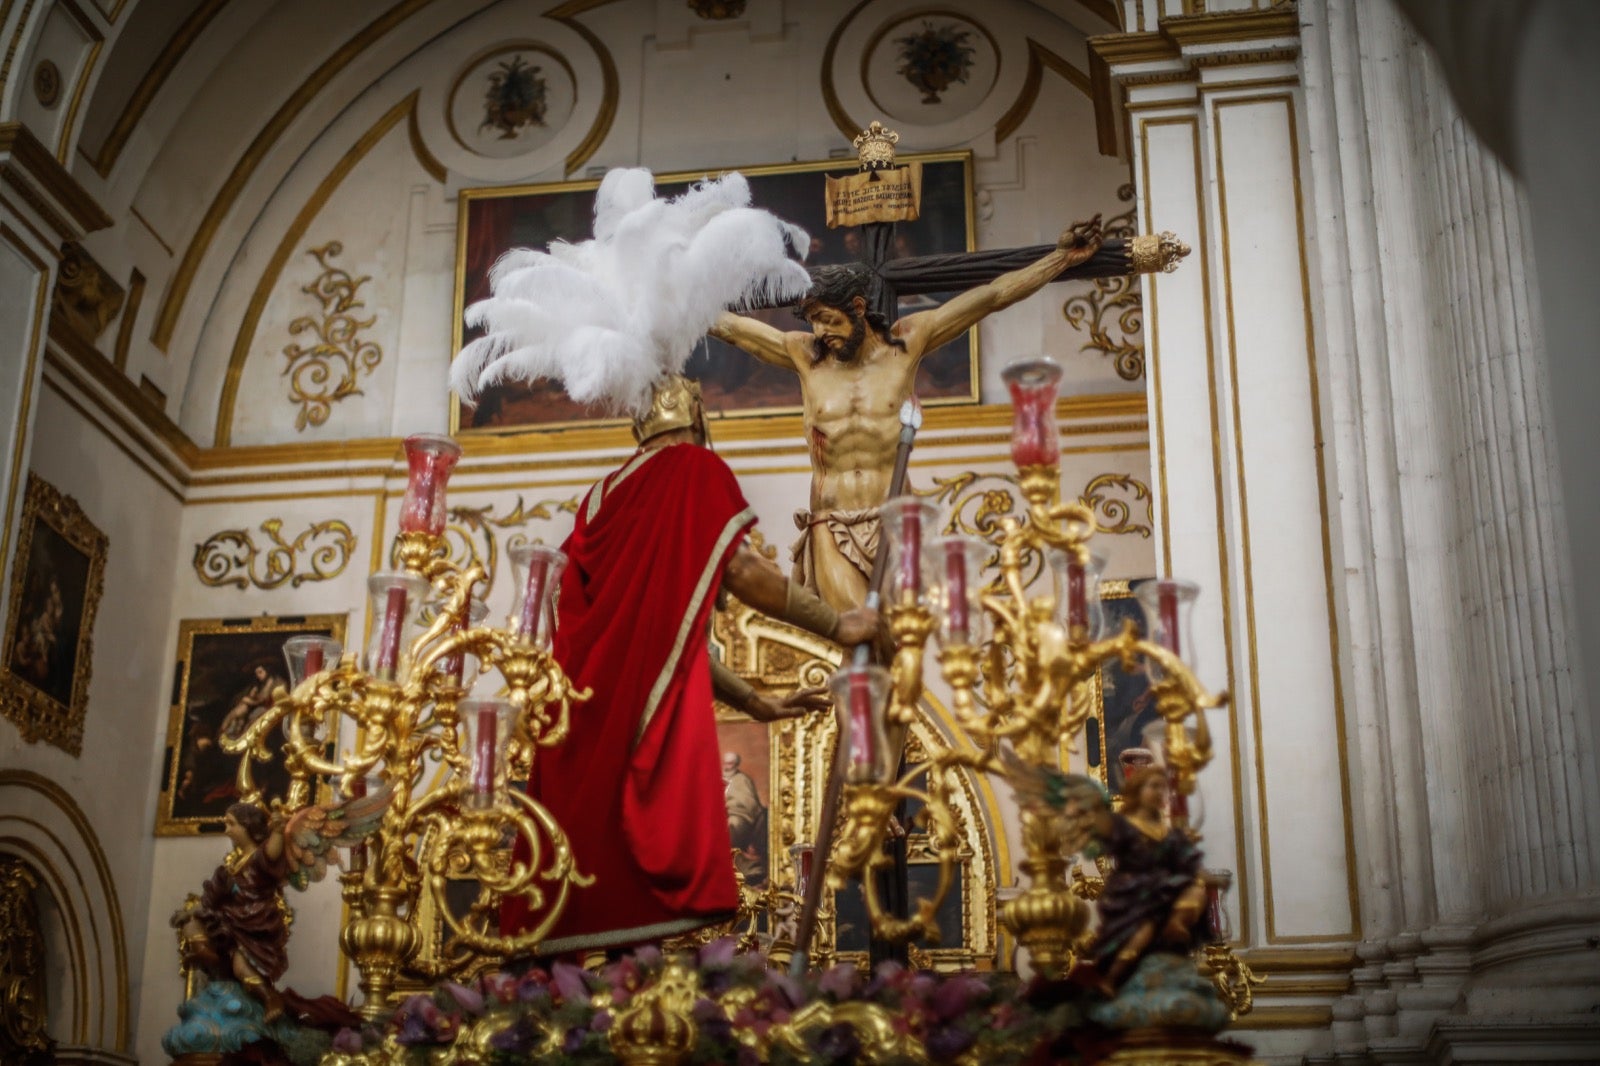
x=516, y=98
x=936, y=58
x=717, y=9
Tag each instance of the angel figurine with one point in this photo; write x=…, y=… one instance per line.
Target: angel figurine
x=238, y=927
x=1154, y=897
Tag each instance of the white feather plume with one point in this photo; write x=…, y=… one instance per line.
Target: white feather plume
x=609, y=316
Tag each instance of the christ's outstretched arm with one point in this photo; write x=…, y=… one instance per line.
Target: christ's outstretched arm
x=927, y=330
x=752, y=335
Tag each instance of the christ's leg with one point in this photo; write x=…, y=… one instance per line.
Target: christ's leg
x=840, y=583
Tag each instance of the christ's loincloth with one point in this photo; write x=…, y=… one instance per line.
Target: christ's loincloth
x=854, y=533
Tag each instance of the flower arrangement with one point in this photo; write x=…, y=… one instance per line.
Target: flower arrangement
x=743, y=1012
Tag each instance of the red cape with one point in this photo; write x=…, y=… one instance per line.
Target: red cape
x=637, y=786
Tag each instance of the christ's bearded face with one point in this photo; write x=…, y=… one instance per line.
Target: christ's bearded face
x=836, y=332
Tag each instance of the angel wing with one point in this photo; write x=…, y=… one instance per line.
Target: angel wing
x=313, y=834
x=1074, y=800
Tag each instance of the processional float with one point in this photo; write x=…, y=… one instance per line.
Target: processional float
x=1017, y=633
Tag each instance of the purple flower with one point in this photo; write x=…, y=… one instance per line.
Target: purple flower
x=955, y=996
x=569, y=981
x=719, y=952
x=347, y=1041
x=601, y=1021
x=574, y=1040
x=649, y=956
x=786, y=988
x=839, y=981
x=468, y=999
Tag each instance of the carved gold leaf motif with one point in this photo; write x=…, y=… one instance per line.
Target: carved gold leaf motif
x=326, y=372
x=232, y=557
x=1112, y=311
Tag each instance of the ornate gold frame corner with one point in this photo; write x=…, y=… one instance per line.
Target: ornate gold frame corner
x=167, y=823
x=37, y=715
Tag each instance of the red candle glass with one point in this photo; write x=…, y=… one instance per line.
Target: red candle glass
x=1217, y=884
x=453, y=666
x=1033, y=383
x=488, y=727
x=1077, y=587
x=803, y=855
x=429, y=459
x=1167, y=604
x=907, y=520
x=537, y=570
x=396, y=599
x=309, y=655
x=860, y=693
x=957, y=568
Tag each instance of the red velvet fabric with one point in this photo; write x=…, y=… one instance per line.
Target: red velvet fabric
x=641, y=801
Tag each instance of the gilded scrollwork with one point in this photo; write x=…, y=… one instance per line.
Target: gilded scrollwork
x=232, y=556
x=472, y=533
x=323, y=373
x=1111, y=311
x=1113, y=514
x=979, y=502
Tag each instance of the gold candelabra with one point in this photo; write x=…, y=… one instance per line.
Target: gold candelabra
x=1016, y=660
x=409, y=703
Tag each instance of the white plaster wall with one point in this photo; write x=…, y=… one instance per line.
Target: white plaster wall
x=113, y=779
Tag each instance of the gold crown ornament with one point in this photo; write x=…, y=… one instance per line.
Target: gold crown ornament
x=875, y=146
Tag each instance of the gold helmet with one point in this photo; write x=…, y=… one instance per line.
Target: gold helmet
x=674, y=404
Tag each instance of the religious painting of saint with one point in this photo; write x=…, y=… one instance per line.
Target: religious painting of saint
x=228, y=673
x=494, y=220
x=56, y=581
x=747, y=792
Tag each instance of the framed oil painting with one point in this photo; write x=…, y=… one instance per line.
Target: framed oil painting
x=495, y=220
x=227, y=672
x=1125, y=706
x=57, y=577
x=745, y=746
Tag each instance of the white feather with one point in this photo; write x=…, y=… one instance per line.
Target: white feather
x=607, y=317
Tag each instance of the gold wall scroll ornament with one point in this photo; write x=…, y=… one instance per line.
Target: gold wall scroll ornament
x=232, y=557
x=23, y=1004
x=57, y=577
x=1114, y=303
x=472, y=533
x=86, y=298
x=1233, y=979
x=322, y=374
x=1117, y=513
x=978, y=504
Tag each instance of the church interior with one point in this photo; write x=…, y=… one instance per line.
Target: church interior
x=1328, y=364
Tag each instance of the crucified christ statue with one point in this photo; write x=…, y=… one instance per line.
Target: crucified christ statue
x=856, y=368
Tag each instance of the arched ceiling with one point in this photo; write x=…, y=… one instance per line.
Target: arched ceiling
x=193, y=112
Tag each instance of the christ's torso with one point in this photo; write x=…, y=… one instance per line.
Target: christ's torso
x=852, y=424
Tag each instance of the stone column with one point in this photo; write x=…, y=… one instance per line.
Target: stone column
x=41, y=206
x=1478, y=829
x=1237, y=389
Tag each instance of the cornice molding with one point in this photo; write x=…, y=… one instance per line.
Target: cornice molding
x=32, y=171
x=1182, y=45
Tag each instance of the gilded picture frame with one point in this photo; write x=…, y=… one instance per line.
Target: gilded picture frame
x=493, y=220
x=57, y=578
x=227, y=672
